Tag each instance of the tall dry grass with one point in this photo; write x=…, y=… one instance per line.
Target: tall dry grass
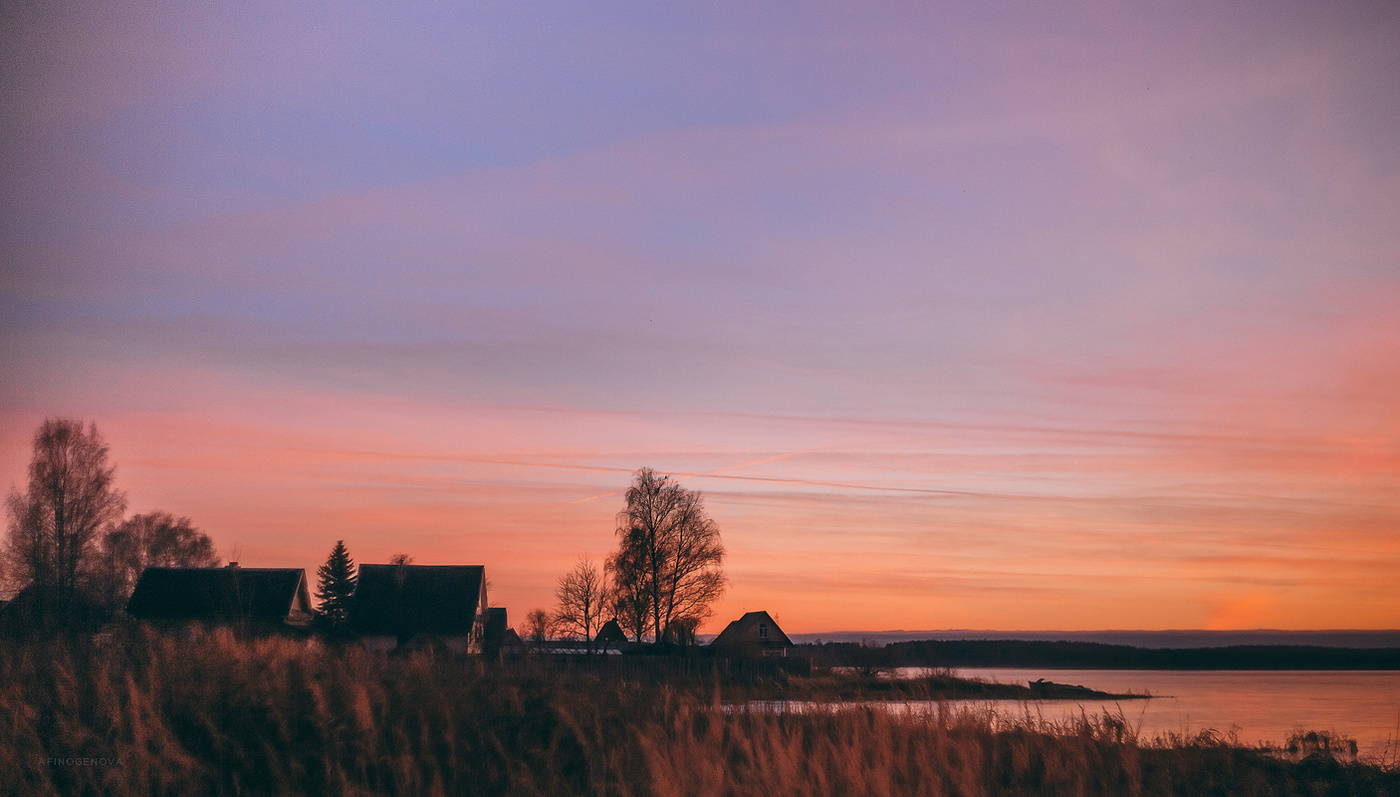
x=157, y=714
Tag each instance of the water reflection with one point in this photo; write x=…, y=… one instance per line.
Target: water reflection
x=1259, y=706
x=1256, y=707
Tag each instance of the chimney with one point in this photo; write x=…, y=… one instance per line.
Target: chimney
x=233, y=565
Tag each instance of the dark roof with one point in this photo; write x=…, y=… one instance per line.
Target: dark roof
x=33, y=608
x=209, y=593
x=404, y=600
x=610, y=632
x=744, y=631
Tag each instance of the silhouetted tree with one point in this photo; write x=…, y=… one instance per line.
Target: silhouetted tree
x=671, y=551
x=154, y=539
x=583, y=595
x=51, y=543
x=539, y=626
x=630, y=571
x=684, y=631
x=335, y=584
x=401, y=559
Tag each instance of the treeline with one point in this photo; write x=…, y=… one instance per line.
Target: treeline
x=1096, y=656
x=70, y=558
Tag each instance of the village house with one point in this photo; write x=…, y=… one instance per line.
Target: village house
x=33, y=606
x=754, y=634
x=611, y=639
x=257, y=598
x=420, y=605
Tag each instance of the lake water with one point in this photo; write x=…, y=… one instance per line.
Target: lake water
x=1259, y=706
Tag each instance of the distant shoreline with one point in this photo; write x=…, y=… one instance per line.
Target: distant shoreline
x=1183, y=638
x=1069, y=655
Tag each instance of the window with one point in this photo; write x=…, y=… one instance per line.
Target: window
x=762, y=630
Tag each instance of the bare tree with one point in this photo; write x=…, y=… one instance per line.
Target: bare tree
x=583, y=596
x=53, y=525
x=155, y=539
x=670, y=551
x=539, y=625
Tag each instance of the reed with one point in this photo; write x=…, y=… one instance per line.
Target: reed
x=157, y=714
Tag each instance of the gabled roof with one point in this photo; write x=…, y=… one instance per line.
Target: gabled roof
x=218, y=593
x=746, y=631
x=33, y=607
x=404, y=600
x=611, y=632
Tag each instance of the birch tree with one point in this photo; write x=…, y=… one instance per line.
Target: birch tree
x=669, y=552
x=54, y=524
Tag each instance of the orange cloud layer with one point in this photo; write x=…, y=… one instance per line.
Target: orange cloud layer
x=848, y=526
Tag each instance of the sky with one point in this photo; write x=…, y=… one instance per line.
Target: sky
x=1025, y=316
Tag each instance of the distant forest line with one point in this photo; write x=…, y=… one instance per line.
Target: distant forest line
x=1178, y=638
x=1095, y=656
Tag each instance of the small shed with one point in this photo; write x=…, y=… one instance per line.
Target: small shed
x=268, y=598
x=394, y=605
x=754, y=634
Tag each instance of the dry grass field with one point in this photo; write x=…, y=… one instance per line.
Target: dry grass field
x=157, y=714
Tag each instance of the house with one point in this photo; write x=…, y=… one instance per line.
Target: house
x=754, y=634
x=611, y=639
x=267, y=598
x=397, y=605
x=35, y=609
x=513, y=644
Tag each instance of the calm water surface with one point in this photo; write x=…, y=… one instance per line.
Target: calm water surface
x=1260, y=706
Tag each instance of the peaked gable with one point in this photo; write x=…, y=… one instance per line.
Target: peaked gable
x=754, y=628
x=610, y=633
x=405, y=600
x=221, y=593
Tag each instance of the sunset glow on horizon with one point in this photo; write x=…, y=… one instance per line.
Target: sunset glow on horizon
x=1041, y=318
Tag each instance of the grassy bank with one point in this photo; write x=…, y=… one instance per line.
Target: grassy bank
x=213, y=715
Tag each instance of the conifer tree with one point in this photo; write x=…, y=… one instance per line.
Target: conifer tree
x=335, y=585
